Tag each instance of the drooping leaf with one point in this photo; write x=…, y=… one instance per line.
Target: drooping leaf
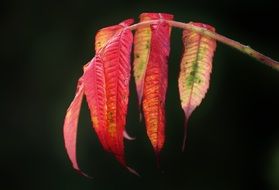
x=95, y=92
x=142, y=46
x=155, y=84
x=93, y=85
x=102, y=38
x=107, y=87
x=71, y=125
x=195, y=69
x=105, y=34
x=116, y=61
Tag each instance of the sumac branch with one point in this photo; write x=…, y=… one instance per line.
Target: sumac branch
x=105, y=82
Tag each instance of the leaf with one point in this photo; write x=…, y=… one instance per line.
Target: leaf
x=195, y=70
x=71, y=124
x=95, y=91
x=107, y=104
x=102, y=38
x=142, y=41
x=105, y=34
x=116, y=61
x=107, y=88
x=155, y=84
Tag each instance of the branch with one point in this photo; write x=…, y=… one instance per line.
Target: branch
x=232, y=43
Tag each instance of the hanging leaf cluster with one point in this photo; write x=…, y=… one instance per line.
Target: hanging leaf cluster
x=105, y=79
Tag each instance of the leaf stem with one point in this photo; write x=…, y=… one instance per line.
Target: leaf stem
x=232, y=43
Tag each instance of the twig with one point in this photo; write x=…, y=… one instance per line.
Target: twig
x=203, y=31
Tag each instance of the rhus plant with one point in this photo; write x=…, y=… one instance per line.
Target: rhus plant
x=105, y=81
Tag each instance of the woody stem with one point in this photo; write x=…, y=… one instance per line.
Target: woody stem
x=203, y=31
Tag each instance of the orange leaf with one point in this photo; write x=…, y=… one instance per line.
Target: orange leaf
x=152, y=47
x=95, y=91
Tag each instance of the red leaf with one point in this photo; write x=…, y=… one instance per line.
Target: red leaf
x=71, y=124
x=103, y=37
x=106, y=85
x=155, y=85
x=95, y=91
x=116, y=60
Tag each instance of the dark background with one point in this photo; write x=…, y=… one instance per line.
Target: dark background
x=233, y=136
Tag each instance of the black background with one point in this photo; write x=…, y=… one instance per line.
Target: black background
x=233, y=140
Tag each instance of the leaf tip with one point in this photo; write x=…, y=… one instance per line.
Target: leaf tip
x=131, y=170
x=185, y=133
x=127, y=136
x=127, y=22
x=83, y=174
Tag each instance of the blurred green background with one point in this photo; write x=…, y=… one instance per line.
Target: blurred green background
x=233, y=140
